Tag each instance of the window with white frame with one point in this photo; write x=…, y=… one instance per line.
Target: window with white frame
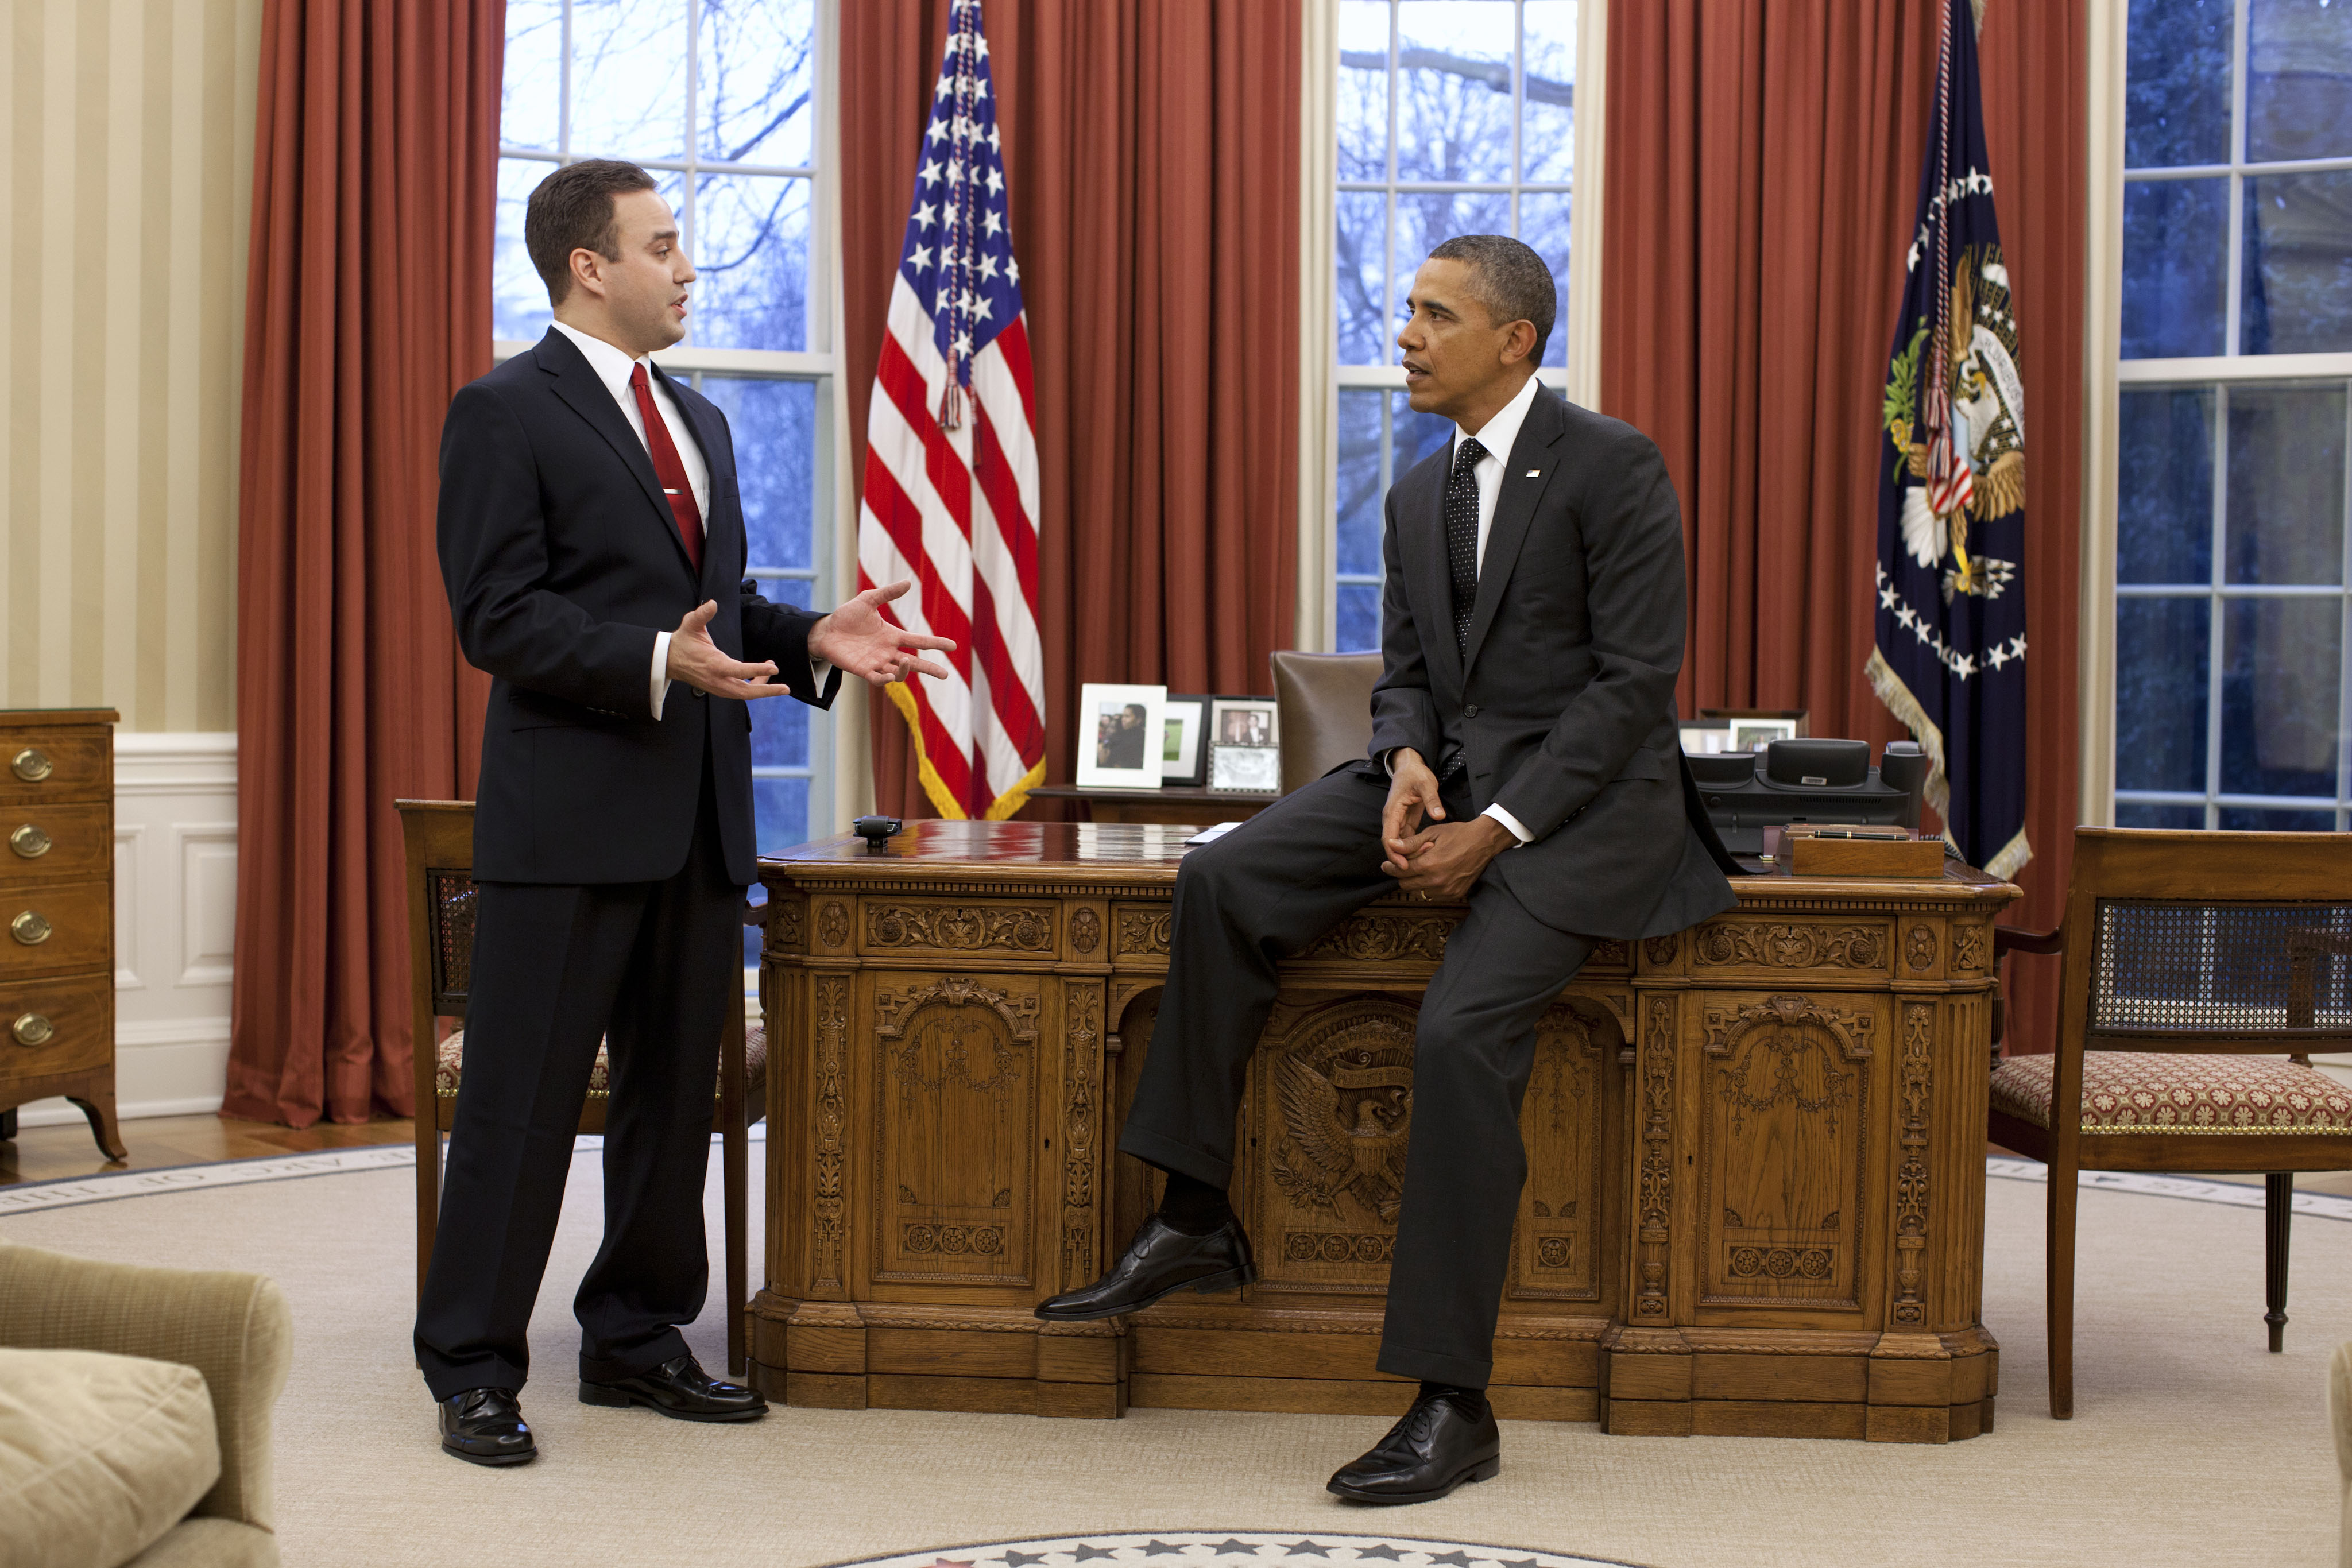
x=1455, y=117
x=717, y=98
x=2233, y=560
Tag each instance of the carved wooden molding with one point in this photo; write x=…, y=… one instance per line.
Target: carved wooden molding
x=831, y=1125
x=784, y=925
x=1919, y=948
x=1144, y=930
x=980, y=1240
x=1086, y=929
x=1790, y=947
x=959, y=927
x=1744, y=1260
x=1911, y=1176
x=1337, y=1247
x=1655, y=1204
x=1851, y=1028
x=1380, y=938
x=1609, y=956
x=832, y=922
x=893, y=1008
x=1660, y=949
x=1078, y=1118
x=1968, y=948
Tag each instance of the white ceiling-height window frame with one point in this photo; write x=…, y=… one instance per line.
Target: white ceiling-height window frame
x=1321, y=378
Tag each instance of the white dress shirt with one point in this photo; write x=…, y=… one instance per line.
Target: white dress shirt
x=1497, y=435
x=613, y=368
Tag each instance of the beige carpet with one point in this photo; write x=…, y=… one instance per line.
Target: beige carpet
x=2191, y=1445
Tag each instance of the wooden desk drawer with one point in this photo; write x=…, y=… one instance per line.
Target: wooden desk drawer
x=57, y=1026
x=55, y=765
x=54, y=928
x=55, y=843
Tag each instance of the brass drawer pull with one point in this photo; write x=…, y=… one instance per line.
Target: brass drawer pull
x=31, y=928
x=32, y=764
x=30, y=840
x=32, y=1029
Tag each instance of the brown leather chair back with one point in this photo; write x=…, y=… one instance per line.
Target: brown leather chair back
x=1324, y=703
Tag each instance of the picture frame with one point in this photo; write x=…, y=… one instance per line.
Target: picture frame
x=1115, y=727
x=1184, y=759
x=1244, y=744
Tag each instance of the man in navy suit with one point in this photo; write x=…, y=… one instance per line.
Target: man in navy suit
x=592, y=541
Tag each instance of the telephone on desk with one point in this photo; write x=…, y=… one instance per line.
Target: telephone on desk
x=1809, y=779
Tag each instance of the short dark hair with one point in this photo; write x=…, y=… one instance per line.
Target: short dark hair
x=1513, y=283
x=572, y=210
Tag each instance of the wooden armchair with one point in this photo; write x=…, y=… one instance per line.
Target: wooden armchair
x=2201, y=969
x=439, y=835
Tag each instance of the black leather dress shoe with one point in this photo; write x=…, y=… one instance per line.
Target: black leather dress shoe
x=1160, y=1261
x=1444, y=1440
x=679, y=1387
x=485, y=1426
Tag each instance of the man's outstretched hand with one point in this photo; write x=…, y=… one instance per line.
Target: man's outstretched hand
x=695, y=659
x=856, y=637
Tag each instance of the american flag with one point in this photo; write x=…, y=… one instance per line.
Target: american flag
x=950, y=488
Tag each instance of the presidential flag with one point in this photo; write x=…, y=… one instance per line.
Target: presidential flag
x=1949, y=660
x=950, y=483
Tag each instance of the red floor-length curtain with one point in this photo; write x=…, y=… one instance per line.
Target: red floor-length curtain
x=367, y=307
x=1152, y=152
x=1763, y=172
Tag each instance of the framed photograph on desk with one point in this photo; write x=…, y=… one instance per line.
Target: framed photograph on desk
x=1246, y=743
x=1185, y=761
x=1121, y=733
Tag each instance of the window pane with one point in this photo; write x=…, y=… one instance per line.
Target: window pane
x=780, y=805
x=1364, y=89
x=2279, y=696
x=750, y=241
x=2242, y=819
x=628, y=78
x=1359, y=618
x=1454, y=90
x=1425, y=219
x=531, y=96
x=1360, y=510
x=780, y=734
x=1413, y=437
x=2160, y=693
x=2164, y=471
x=519, y=307
x=758, y=58
x=1543, y=224
x=1547, y=114
x=2135, y=814
x=774, y=428
x=2298, y=79
x=2175, y=232
x=1362, y=249
x=2296, y=289
x=2286, y=484
x=2176, y=102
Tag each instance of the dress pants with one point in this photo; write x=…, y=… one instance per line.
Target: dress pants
x=651, y=966
x=1271, y=887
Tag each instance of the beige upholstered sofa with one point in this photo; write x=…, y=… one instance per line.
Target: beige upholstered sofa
x=134, y=1414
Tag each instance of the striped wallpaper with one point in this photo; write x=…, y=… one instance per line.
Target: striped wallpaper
x=126, y=150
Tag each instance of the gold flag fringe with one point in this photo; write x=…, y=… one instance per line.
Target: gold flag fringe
x=942, y=799
x=1912, y=717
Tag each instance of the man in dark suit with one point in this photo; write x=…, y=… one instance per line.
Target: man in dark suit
x=592, y=541
x=1524, y=759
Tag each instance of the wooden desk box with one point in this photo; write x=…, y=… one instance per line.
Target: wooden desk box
x=1756, y=1151
x=56, y=898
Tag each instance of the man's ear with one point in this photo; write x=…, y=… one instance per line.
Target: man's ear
x=1519, y=342
x=587, y=271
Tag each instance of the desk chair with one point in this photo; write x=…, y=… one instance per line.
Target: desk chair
x=2200, y=970
x=439, y=835
x=1323, y=707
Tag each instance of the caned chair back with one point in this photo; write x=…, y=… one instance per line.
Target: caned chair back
x=1323, y=707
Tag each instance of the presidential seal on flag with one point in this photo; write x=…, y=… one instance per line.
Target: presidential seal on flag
x=1949, y=655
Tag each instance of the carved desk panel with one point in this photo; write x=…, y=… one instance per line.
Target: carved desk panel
x=1755, y=1201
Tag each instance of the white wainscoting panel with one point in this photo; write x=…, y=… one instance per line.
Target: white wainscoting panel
x=174, y=924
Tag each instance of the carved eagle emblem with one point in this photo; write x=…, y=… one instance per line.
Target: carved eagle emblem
x=1349, y=1130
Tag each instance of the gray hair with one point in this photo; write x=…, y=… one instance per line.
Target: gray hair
x=1509, y=279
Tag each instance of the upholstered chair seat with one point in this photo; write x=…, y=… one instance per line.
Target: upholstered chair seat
x=450, y=1066
x=2161, y=1092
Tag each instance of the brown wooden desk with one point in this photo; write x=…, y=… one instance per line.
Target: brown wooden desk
x=1175, y=803
x=1756, y=1199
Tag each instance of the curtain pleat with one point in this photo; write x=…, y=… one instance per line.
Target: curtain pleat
x=1763, y=167
x=1151, y=151
x=367, y=307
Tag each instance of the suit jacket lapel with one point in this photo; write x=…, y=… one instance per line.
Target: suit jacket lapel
x=1525, y=473
x=1430, y=579
x=577, y=385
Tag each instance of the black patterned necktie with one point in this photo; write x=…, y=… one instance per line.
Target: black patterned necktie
x=1461, y=536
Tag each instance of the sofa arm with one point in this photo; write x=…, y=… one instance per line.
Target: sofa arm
x=235, y=1329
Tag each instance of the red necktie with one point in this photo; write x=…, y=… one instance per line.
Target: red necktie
x=668, y=469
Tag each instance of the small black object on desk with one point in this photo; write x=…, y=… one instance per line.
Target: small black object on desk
x=1809, y=779
x=876, y=832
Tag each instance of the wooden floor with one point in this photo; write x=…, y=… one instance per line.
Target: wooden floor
x=62, y=1152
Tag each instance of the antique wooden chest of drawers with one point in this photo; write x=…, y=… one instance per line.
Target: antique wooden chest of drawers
x=57, y=899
